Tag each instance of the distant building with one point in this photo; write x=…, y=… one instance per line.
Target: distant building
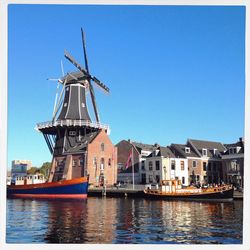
x=233, y=163
x=20, y=168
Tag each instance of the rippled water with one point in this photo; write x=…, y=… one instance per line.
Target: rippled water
x=120, y=220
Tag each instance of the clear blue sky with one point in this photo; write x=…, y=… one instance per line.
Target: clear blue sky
x=174, y=72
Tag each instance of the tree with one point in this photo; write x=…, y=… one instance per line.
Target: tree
x=33, y=170
x=45, y=169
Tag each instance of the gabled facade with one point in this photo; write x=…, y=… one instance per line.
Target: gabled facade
x=162, y=164
x=210, y=153
x=140, y=152
x=194, y=162
x=204, y=160
x=233, y=163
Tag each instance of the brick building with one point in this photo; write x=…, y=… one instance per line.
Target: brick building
x=233, y=163
x=140, y=152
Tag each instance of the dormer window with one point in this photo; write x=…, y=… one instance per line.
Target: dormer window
x=187, y=150
x=204, y=152
x=233, y=151
x=215, y=150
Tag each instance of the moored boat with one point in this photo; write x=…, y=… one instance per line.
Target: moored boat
x=65, y=189
x=172, y=190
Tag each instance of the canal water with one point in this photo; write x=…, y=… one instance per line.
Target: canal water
x=124, y=221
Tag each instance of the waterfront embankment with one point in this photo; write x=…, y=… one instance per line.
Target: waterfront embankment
x=130, y=192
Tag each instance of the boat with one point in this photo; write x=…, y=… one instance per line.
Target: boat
x=173, y=190
x=76, y=188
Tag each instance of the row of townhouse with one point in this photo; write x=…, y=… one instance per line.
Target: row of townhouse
x=196, y=162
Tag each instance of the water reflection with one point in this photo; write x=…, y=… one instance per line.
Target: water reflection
x=112, y=220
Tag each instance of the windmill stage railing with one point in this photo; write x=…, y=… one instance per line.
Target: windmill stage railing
x=69, y=123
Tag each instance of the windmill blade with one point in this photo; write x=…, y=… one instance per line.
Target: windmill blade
x=57, y=89
x=100, y=84
x=84, y=51
x=92, y=94
x=59, y=103
x=75, y=63
x=55, y=80
x=62, y=68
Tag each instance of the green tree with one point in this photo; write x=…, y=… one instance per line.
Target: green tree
x=45, y=169
x=33, y=170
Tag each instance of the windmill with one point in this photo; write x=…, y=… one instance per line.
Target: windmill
x=71, y=128
x=82, y=76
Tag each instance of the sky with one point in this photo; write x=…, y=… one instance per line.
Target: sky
x=174, y=72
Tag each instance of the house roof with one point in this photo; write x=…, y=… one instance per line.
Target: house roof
x=142, y=146
x=179, y=150
x=162, y=151
x=209, y=145
x=234, y=145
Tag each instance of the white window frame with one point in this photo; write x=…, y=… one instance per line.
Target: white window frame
x=204, y=152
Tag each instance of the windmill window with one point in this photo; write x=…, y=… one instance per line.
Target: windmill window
x=72, y=132
x=81, y=162
x=65, y=104
x=74, y=163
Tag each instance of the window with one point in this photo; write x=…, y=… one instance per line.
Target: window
x=182, y=165
x=72, y=133
x=143, y=165
x=150, y=178
x=65, y=104
x=197, y=178
x=194, y=164
x=209, y=166
x=187, y=150
x=172, y=164
x=102, y=165
x=95, y=162
x=157, y=165
x=74, y=163
x=157, y=177
x=150, y=166
x=214, y=167
x=204, y=152
x=102, y=147
x=183, y=180
x=109, y=162
x=204, y=166
x=81, y=162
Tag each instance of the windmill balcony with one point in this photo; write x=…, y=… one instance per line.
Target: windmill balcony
x=69, y=123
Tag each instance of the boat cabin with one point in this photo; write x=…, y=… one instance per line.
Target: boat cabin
x=170, y=186
x=29, y=179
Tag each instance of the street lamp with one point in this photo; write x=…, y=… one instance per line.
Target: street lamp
x=165, y=170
